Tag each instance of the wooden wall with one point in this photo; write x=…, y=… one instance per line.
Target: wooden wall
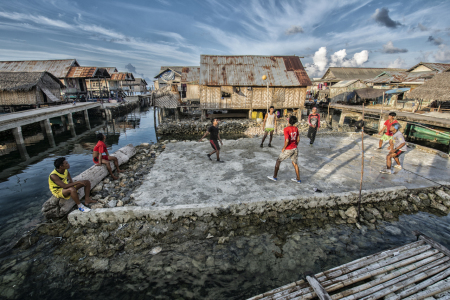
x=252, y=97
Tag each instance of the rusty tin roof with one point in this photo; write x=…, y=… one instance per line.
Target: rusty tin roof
x=59, y=68
x=122, y=76
x=190, y=75
x=247, y=70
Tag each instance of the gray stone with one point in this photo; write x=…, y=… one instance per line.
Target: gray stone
x=393, y=230
x=100, y=264
x=97, y=188
x=342, y=214
x=119, y=203
x=439, y=206
x=351, y=212
x=112, y=203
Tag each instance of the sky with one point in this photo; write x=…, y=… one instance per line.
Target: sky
x=141, y=36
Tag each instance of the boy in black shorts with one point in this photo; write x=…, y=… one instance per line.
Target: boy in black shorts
x=214, y=139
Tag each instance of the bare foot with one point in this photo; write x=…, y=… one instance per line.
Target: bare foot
x=115, y=177
x=120, y=171
x=89, y=201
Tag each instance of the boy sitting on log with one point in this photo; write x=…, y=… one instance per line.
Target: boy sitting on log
x=100, y=159
x=62, y=186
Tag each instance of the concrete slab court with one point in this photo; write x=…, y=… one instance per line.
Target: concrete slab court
x=184, y=182
x=182, y=174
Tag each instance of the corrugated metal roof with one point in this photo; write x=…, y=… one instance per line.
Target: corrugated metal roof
x=343, y=73
x=439, y=67
x=84, y=72
x=247, y=70
x=190, y=74
x=121, y=76
x=344, y=83
x=398, y=77
x=59, y=68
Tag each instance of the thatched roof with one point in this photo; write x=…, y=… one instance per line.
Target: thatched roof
x=437, y=88
x=369, y=93
x=24, y=81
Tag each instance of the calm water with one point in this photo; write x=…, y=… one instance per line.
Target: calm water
x=24, y=189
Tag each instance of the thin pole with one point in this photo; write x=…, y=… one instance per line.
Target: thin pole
x=362, y=165
x=267, y=96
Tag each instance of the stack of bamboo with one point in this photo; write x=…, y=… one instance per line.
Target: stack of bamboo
x=415, y=271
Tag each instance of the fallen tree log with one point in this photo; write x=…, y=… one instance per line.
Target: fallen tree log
x=57, y=207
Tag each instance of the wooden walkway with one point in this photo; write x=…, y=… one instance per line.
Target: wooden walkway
x=418, y=270
x=17, y=119
x=402, y=116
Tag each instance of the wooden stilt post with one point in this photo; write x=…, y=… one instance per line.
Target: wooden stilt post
x=362, y=166
x=17, y=132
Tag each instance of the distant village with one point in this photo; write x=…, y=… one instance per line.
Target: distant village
x=224, y=82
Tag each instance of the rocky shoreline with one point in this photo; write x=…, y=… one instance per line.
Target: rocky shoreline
x=230, y=126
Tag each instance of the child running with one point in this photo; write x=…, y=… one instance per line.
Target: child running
x=395, y=150
x=99, y=158
x=387, y=137
x=290, y=149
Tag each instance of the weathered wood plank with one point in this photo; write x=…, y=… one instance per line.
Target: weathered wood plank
x=397, y=275
x=423, y=285
x=444, y=286
x=360, y=265
x=388, y=287
x=320, y=291
x=432, y=242
x=361, y=275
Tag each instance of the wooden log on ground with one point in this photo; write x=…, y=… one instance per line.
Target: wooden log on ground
x=432, y=242
x=57, y=208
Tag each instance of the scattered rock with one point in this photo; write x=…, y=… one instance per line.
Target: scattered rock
x=443, y=195
x=96, y=205
x=223, y=240
x=393, y=230
x=209, y=236
x=439, y=206
x=342, y=214
x=423, y=196
x=97, y=188
x=119, y=203
x=112, y=203
x=155, y=250
x=351, y=212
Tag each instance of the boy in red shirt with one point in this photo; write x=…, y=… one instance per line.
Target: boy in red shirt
x=99, y=158
x=387, y=137
x=291, y=140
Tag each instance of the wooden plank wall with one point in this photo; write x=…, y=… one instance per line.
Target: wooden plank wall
x=253, y=98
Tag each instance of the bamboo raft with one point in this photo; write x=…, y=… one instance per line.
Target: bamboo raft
x=418, y=270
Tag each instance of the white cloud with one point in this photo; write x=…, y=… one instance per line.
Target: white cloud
x=338, y=59
x=443, y=54
x=391, y=49
x=398, y=64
